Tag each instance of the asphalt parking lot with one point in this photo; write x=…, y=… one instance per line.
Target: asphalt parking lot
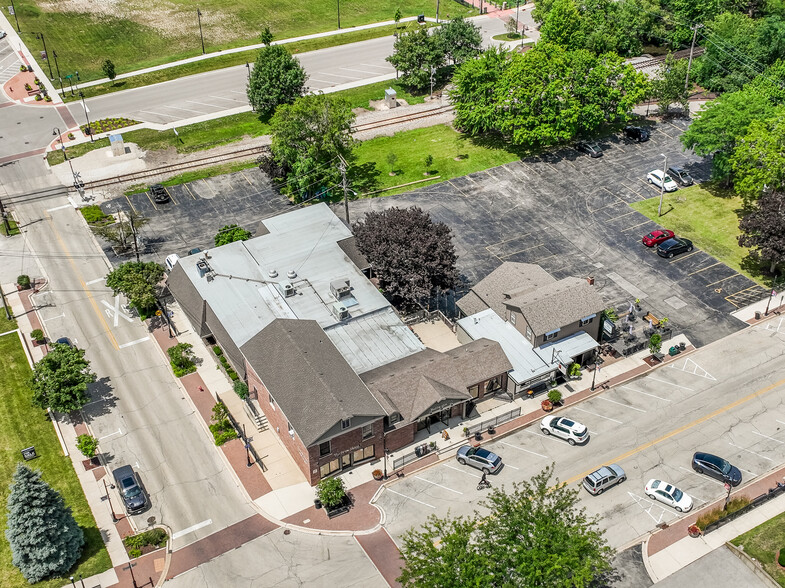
x=197, y=210
x=747, y=427
x=569, y=213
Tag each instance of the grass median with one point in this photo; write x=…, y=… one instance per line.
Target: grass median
x=23, y=425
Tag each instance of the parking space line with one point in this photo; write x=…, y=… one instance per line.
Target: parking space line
x=522, y=449
x=748, y=451
x=749, y=472
x=246, y=179
x=682, y=257
x=159, y=114
x=702, y=477
x=620, y=404
x=645, y=393
x=511, y=466
x=189, y=191
x=767, y=437
x=597, y=415
x=410, y=498
x=672, y=384
x=472, y=474
x=704, y=269
x=722, y=280
x=131, y=203
x=150, y=199
x=635, y=226
x=439, y=485
x=781, y=422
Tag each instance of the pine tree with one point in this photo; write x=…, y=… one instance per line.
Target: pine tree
x=45, y=539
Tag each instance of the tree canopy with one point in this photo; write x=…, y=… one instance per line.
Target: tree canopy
x=758, y=160
x=60, y=379
x=230, y=234
x=668, y=87
x=478, y=109
x=536, y=536
x=460, y=40
x=45, y=539
x=138, y=280
x=277, y=78
x=307, y=139
x=411, y=255
x=417, y=55
x=763, y=229
x=564, y=26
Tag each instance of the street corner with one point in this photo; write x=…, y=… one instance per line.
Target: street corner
x=361, y=516
x=26, y=88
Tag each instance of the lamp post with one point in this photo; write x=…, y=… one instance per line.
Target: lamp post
x=771, y=295
x=662, y=184
x=597, y=363
x=48, y=61
x=339, y=14
x=248, y=68
x=57, y=67
x=114, y=518
x=13, y=8
x=81, y=581
x=87, y=118
x=386, y=453
x=517, y=14
x=201, y=36
x=248, y=463
x=72, y=582
x=130, y=568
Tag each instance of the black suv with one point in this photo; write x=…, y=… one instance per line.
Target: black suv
x=128, y=484
x=680, y=176
x=638, y=134
x=159, y=193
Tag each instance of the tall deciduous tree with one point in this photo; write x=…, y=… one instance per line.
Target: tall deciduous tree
x=137, y=280
x=718, y=127
x=44, y=537
x=121, y=233
x=668, y=86
x=277, y=78
x=60, y=379
x=230, y=234
x=535, y=536
x=412, y=255
x=564, y=26
x=418, y=54
x=307, y=138
x=763, y=229
x=474, y=93
x=758, y=160
x=460, y=40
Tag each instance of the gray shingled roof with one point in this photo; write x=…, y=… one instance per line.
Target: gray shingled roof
x=507, y=280
x=556, y=305
x=349, y=247
x=414, y=385
x=308, y=377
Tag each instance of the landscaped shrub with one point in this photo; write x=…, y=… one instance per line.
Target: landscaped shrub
x=94, y=215
x=232, y=375
x=181, y=357
x=555, y=396
x=37, y=335
x=23, y=281
x=217, y=350
x=221, y=427
x=717, y=514
x=153, y=537
x=241, y=389
x=87, y=444
x=331, y=491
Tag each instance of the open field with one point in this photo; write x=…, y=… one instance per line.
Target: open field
x=141, y=34
x=22, y=425
x=707, y=216
x=763, y=542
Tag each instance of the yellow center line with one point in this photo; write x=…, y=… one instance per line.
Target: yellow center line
x=703, y=419
x=69, y=256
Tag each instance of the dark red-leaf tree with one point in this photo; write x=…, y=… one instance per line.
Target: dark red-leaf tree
x=763, y=230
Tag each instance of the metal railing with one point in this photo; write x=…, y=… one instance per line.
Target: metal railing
x=246, y=442
x=493, y=422
x=755, y=503
x=419, y=451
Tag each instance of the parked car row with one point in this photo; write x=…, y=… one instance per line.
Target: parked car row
x=667, y=243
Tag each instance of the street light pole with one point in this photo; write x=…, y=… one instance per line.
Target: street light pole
x=662, y=184
x=339, y=14
x=248, y=463
x=87, y=118
x=48, y=61
x=201, y=36
x=18, y=30
x=57, y=67
x=772, y=294
x=517, y=15
x=114, y=518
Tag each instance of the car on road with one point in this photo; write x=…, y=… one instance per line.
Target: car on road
x=680, y=175
x=716, y=467
x=593, y=150
x=657, y=237
x=662, y=180
x=674, y=246
x=159, y=194
x=130, y=489
x=480, y=458
x=64, y=341
x=564, y=428
x=668, y=494
x=606, y=477
x=638, y=134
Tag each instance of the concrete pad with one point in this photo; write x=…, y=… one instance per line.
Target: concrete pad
x=436, y=335
x=285, y=502
x=719, y=568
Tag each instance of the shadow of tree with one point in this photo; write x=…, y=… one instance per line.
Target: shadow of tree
x=365, y=177
x=102, y=399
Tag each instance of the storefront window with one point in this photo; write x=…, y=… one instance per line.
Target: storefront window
x=329, y=468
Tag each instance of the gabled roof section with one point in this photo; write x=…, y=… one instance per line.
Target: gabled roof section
x=308, y=377
x=555, y=305
x=506, y=281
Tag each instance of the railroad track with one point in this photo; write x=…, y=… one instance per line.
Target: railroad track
x=404, y=118
x=683, y=54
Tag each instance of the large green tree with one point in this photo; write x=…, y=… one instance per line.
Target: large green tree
x=307, y=139
x=121, y=233
x=474, y=93
x=536, y=535
x=763, y=229
x=564, y=26
x=60, y=379
x=718, y=127
x=418, y=55
x=138, y=280
x=412, y=255
x=460, y=39
x=45, y=539
x=277, y=78
x=668, y=87
x=758, y=161
x=230, y=234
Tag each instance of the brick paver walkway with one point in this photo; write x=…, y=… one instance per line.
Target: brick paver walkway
x=361, y=516
x=383, y=552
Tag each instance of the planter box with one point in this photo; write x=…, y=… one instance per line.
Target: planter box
x=334, y=511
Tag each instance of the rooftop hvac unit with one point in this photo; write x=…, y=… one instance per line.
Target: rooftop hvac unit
x=286, y=288
x=202, y=267
x=340, y=289
x=340, y=312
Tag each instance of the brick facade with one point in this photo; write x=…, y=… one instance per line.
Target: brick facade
x=344, y=445
x=401, y=436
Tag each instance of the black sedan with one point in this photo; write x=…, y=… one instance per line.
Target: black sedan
x=638, y=134
x=673, y=247
x=159, y=193
x=591, y=149
x=716, y=467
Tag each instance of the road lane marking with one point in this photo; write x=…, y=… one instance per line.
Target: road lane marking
x=472, y=474
x=749, y=451
x=695, y=367
x=95, y=281
x=59, y=208
x=620, y=404
x=410, y=498
x=781, y=422
x=124, y=345
x=439, y=485
x=191, y=529
x=595, y=414
x=670, y=383
x=674, y=432
x=522, y=449
x=117, y=432
x=767, y=437
x=51, y=318
x=645, y=393
x=114, y=311
x=639, y=499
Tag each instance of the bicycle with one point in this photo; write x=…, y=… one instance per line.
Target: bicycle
x=483, y=484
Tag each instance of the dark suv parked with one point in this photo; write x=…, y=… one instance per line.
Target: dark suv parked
x=680, y=176
x=159, y=193
x=638, y=134
x=128, y=484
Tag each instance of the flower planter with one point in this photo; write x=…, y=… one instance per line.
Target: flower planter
x=334, y=511
x=694, y=531
x=547, y=405
x=377, y=475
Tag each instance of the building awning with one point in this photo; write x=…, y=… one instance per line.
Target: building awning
x=566, y=350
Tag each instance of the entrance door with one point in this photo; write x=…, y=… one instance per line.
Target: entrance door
x=346, y=460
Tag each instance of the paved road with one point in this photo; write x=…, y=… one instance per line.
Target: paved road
x=725, y=399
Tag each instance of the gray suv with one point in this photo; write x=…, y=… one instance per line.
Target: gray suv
x=130, y=489
x=607, y=476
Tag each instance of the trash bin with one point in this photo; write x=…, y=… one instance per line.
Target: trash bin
x=757, y=315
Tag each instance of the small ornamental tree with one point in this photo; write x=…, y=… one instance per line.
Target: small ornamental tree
x=60, y=379
x=138, y=280
x=230, y=234
x=108, y=69
x=331, y=491
x=512, y=27
x=87, y=445
x=181, y=357
x=392, y=159
x=397, y=17
x=45, y=539
x=655, y=343
x=266, y=36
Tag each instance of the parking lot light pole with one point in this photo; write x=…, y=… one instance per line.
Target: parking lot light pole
x=201, y=36
x=48, y=61
x=111, y=508
x=16, y=18
x=662, y=184
x=87, y=118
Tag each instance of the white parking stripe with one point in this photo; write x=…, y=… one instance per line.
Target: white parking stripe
x=669, y=383
x=702, y=476
x=373, y=73
x=767, y=437
x=645, y=393
x=522, y=449
x=409, y=498
x=752, y=452
x=511, y=466
x=159, y=114
x=749, y=472
x=462, y=471
x=620, y=403
x=595, y=414
x=439, y=485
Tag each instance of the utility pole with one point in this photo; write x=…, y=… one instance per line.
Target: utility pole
x=339, y=14
x=345, y=185
x=692, y=48
x=437, y=11
x=201, y=36
x=662, y=184
x=6, y=224
x=133, y=231
x=13, y=9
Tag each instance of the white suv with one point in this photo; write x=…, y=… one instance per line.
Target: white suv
x=572, y=431
x=656, y=177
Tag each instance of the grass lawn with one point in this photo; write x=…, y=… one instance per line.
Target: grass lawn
x=14, y=229
x=143, y=33
x=709, y=217
x=22, y=425
x=507, y=37
x=763, y=542
x=198, y=174
x=6, y=324
x=371, y=171
x=228, y=129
